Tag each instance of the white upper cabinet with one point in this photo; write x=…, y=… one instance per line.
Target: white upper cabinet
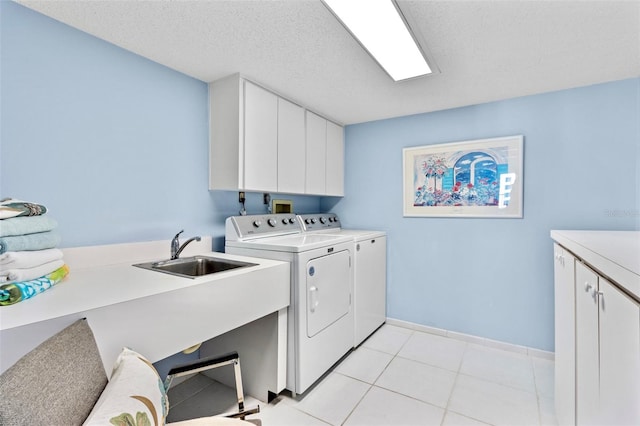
x=261, y=142
x=260, y=139
x=316, y=154
x=291, y=148
x=226, y=134
x=325, y=156
x=335, y=160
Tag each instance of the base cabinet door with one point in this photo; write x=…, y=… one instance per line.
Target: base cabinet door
x=619, y=357
x=587, y=347
x=565, y=337
x=607, y=352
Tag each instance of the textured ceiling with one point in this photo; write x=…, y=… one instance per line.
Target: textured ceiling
x=483, y=50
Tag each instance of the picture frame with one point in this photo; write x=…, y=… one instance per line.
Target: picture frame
x=475, y=178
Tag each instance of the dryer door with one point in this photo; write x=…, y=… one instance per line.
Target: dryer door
x=328, y=290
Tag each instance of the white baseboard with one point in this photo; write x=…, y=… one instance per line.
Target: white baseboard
x=473, y=339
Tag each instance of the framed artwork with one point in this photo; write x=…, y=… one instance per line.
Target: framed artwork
x=478, y=178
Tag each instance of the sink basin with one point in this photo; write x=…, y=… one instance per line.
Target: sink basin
x=196, y=266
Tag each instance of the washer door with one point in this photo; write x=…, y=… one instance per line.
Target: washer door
x=328, y=290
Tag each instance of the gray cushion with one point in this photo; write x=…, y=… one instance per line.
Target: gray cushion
x=57, y=383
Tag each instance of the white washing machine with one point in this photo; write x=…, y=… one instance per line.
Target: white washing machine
x=370, y=270
x=320, y=315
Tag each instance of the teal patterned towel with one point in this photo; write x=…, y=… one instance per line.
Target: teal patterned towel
x=39, y=241
x=16, y=292
x=26, y=225
x=10, y=207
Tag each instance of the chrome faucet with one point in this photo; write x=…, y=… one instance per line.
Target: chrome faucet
x=176, y=248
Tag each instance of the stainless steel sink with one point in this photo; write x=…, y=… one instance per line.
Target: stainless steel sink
x=196, y=266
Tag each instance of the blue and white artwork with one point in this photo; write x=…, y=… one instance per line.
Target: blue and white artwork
x=460, y=179
x=462, y=175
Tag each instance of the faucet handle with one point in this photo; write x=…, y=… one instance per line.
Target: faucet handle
x=178, y=234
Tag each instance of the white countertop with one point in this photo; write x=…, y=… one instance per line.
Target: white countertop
x=104, y=275
x=156, y=313
x=614, y=254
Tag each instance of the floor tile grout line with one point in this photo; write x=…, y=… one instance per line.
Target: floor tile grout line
x=357, y=404
x=535, y=384
x=455, y=382
x=529, y=358
x=484, y=379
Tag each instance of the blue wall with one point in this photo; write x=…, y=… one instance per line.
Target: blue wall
x=115, y=145
x=494, y=277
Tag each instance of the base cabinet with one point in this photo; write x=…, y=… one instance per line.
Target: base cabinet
x=608, y=352
x=597, y=366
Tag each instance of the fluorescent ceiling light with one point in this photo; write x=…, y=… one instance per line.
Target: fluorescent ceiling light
x=381, y=30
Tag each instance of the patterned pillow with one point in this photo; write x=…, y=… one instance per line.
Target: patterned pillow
x=134, y=395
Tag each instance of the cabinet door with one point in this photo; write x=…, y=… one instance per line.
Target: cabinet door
x=316, y=143
x=335, y=159
x=565, y=339
x=291, y=148
x=260, y=139
x=587, y=346
x=619, y=357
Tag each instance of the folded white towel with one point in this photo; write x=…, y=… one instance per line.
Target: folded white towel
x=28, y=259
x=11, y=275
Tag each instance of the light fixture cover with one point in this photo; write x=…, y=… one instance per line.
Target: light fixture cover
x=381, y=30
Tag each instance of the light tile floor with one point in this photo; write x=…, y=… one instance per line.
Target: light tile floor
x=401, y=377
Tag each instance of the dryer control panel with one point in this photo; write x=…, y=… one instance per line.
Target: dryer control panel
x=319, y=221
x=241, y=227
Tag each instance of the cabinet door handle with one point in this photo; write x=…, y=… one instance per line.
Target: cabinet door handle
x=587, y=287
x=602, y=300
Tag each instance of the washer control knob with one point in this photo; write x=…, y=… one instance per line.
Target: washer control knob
x=292, y=220
x=257, y=223
x=307, y=221
x=323, y=219
x=313, y=220
x=272, y=222
x=285, y=222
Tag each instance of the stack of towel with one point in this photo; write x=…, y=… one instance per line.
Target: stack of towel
x=30, y=263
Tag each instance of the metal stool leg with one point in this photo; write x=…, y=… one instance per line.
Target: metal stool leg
x=204, y=364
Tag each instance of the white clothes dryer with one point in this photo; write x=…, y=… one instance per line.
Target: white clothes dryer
x=370, y=270
x=320, y=315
